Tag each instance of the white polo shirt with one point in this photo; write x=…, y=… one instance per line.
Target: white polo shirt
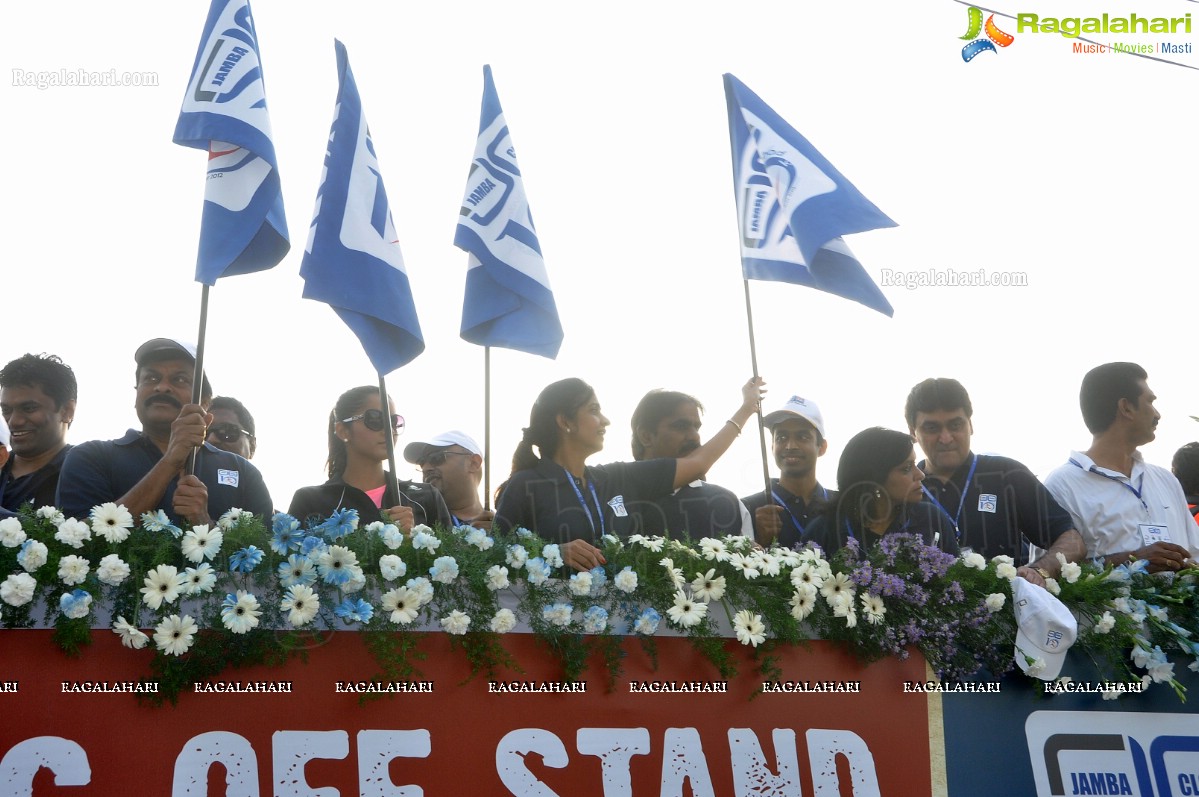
x=1115, y=513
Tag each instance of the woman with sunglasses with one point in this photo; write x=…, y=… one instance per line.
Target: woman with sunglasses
x=357, y=479
x=561, y=498
x=881, y=493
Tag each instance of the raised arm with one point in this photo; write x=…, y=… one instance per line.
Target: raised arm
x=698, y=462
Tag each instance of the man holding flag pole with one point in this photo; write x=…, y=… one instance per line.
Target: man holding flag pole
x=793, y=206
x=352, y=261
x=508, y=301
x=224, y=112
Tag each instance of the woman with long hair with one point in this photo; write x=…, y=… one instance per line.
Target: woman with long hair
x=556, y=494
x=357, y=479
x=881, y=493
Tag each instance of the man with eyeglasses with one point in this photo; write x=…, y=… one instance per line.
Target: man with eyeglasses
x=996, y=504
x=232, y=427
x=146, y=471
x=453, y=463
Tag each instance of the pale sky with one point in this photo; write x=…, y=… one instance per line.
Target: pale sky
x=1077, y=170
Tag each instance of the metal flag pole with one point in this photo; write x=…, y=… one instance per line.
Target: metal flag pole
x=486, y=428
x=391, y=492
x=753, y=356
x=198, y=375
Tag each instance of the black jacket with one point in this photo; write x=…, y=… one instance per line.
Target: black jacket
x=320, y=501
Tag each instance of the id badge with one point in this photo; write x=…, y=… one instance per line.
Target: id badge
x=617, y=505
x=1151, y=534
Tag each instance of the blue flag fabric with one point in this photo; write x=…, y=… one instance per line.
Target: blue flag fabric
x=352, y=261
x=508, y=299
x=793, y=206
x=224, y=112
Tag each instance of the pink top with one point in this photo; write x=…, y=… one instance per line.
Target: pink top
x=376, y=495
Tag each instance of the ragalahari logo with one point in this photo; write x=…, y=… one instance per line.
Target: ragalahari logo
x=982, y=44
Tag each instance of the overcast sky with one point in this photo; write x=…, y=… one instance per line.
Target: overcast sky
x=1078, y=171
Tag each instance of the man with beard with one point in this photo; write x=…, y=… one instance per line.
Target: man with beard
x=666, y=425
x=453, y=463
x=796, y=497
x=37, y=400
x=145, y=471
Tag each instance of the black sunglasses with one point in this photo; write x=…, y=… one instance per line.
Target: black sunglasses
x=373, y=420
x=228, y=432
x=437, y=458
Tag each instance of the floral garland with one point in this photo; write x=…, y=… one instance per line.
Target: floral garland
x=213, y=596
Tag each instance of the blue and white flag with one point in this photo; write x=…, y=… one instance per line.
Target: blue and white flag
x=243, y=229
x=352, y=261
x=793, y=206
x=508, y=299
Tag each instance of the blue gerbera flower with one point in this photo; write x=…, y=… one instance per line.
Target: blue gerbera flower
x=245, y=560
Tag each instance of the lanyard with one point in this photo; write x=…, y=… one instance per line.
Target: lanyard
x=957, y=516
x=578, y=494
x=794, y=520
x=1127, y=484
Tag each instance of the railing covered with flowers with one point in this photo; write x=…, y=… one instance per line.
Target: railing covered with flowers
x=208, y=598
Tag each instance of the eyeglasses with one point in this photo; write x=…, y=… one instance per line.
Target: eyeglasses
x=228, y=432
x=437, y=458
x=373, y=420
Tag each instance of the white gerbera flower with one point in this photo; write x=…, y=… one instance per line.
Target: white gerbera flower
x=392, y=567
x=175, y=634
x=708, y=586
x=17, y=589
x=676, y=574
x=112, y=570
x=456, y=623
x=874, y=608
x=749, y=628
x=713, y=549
x=12, y=533
x=745, y=564
x=626, y=580
x=112, y=522
x=199, y=579
x=803, y=601
x=73, y=532
x=73, y=569
x=503, y=622
x=654, y=544
x=301, y=604
x=580, y=583
x=336, y=564
x=497, y=577
x=444, y=570
x=162, y=585
x=202, y=543
x=231, y=518
x=403, y=604
x=836, y=586
x=767, y=564
x=687, y=611
x=130, y=636
x=240, y=612
x=806, y=573
x=32, y=555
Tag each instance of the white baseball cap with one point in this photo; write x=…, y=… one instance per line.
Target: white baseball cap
x=415, y=452
x=1045, y=629
x=797, y=407
x=4, y=438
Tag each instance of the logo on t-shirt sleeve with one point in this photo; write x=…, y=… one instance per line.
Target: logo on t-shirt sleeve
x=227, y=477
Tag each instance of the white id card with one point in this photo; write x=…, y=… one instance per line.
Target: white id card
x=617, y=505
x=1151, y=534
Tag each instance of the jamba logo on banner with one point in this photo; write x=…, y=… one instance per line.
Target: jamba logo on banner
x=683, y=760
x=1082, y=752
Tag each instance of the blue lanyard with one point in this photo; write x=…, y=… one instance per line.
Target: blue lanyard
x=794, y=520
x=583, y=502
x=1128, y=484
x=957, y=517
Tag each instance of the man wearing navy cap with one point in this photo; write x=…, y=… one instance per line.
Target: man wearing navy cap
x=453, y=463
x=144, y=470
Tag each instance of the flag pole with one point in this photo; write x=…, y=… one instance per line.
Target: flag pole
x=198, y=375
x=391, y=492
x=753, y=357
x=486, y=428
